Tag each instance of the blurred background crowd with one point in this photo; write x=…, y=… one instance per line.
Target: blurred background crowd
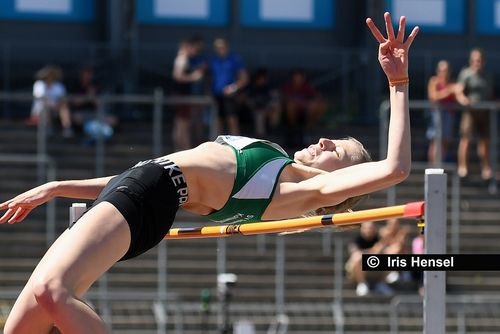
x=288, y=71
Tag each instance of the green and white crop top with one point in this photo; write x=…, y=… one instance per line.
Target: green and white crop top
x=259, y=164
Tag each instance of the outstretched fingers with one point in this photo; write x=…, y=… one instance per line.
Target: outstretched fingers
x=401, y=30
x=15, y=213
x=411, y=37
x=6, y=215
x=375, y=32
x=390, y=31
x=388, y=26
x=20, y=212
x=5, y=204
x=22, y=215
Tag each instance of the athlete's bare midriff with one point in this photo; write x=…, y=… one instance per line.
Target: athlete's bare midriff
x=210, y=171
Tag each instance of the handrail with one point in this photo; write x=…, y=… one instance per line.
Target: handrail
x=197, y=100
x=460, y=302
x=27, y=158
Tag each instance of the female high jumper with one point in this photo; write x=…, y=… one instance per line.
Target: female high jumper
x=231, y=180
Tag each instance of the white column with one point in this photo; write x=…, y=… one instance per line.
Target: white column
x=435, y=243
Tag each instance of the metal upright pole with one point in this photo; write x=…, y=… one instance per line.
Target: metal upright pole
x=280, y=275
x=338, y=313
x=6, y=77
x=439, y=138
x=327, y=242
x=261, y=243
x=100, y=149
x=455, y=213
x=214, y=121
x=160, y=309
x=492, y=188
x=345, y=80
x=162, y=257
x=158, y=122
x=51, y=207
x=221, y=255
x=435, y=243
x=221, y=269
x=41, y=143
x=391, y=196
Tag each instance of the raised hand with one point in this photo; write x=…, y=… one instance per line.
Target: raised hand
x=393, y=51
x=20, y=206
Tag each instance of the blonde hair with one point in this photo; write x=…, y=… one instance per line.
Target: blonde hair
x=361, y=156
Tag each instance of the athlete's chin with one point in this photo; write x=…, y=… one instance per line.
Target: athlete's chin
x=300, y=157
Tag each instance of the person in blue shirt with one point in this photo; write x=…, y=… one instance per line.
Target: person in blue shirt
x=229, y=76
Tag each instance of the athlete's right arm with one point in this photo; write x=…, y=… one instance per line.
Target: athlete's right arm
x=21, y=205
x=84, y=189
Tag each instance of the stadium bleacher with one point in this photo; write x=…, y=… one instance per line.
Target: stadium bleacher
x=192, y=264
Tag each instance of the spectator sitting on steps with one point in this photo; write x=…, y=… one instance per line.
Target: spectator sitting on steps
x=50, y=96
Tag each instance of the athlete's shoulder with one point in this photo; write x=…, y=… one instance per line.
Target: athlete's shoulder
x=237, y=142
x=240, y=142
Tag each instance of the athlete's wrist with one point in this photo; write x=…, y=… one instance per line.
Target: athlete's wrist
x=399, y=81
x=53, y=188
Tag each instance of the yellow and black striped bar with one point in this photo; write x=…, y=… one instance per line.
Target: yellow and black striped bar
x=409, y=210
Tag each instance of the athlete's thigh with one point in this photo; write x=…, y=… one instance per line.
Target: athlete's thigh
x=83, y=253
x=77, y=258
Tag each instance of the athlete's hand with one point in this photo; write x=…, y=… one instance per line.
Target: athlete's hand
x=393, y=51
x=21, y=205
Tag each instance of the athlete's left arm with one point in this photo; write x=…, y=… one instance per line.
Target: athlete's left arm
x=335, y=187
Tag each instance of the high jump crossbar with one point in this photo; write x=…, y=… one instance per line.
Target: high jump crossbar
x=409, y=210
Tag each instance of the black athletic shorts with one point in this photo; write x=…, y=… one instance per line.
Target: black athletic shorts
x=148, y=195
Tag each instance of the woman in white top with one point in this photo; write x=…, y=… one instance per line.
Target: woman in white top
x=50, y=97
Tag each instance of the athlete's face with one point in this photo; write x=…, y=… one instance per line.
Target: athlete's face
x=328, y=154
